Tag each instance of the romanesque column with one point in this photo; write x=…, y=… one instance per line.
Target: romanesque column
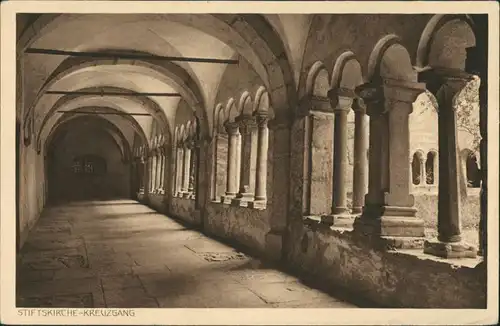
x=192, y=169
x=449, y=241
x=360, y=171
x=248, y=161
x=262, y=148
x=162, y=170
x=141, y=174
x=239, y=142
x=232, y=153
x=341, y=106
x=186, y=168
x=389, y=207
x=180, y=169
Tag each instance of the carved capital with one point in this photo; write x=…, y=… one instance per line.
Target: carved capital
x=232, y=128
x=359, y=106
x=341, y=99
x=313, y=103
x=402, y=91
x=247, y=123
x=372, y=95
x=262, y=118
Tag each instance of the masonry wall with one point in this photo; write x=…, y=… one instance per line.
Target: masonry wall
x=406, y=278
x=32, y=191
x=248, y=227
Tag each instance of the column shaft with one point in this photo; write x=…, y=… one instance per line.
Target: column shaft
x=360, y=175
x=262, y=148
x=248, y=161
x=232, y=160
x=187, y=168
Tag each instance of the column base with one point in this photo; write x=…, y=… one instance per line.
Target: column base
x=226, y=199
x=257, y=204
x=186, y=195
x=338, y=220
x=242, y=200
x=395, y=222
x=357, y=210
x=449, y=249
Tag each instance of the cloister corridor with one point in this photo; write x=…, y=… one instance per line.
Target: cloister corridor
x=122, y=254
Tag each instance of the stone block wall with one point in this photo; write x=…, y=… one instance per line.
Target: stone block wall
x=248, y=227
x=184, y=209
x=407, y=278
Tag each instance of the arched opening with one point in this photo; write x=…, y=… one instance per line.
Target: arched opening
x=85, y=162
x=472, y=171
x=430, y=168
x=416, y=171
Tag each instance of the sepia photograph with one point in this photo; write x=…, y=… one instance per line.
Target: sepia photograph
x=260, y=156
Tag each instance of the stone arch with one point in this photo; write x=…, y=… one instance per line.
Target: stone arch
x=115, y=133
x=245, y=105
x=231, y=110
x=253, y=36
x=390, y=59
x=318, y=80
x=179, y=79
x=68, y=116
x=347, y=72
x=261, y=101
x=142, y=101
x=219, y=118
x=429, y=33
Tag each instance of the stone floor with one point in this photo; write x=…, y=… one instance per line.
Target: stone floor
x=124, y=254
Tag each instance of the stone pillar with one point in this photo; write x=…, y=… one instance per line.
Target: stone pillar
x=360, y=171
x=389, y=207
x=232, y=160
x=262, y=148
x=341, y=102
x=192, y=170
x=141, y=174
x=449, y=241
x=186, y=169
x=162, y=171
x=158, y=170
x=179, y=170
x=238, y=160
x=248, y=128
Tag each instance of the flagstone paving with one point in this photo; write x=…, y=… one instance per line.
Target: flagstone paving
x=123, y=254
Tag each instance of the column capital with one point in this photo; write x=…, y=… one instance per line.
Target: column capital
x=313, y=103
x=453, y=79
x=359, y=106
x=372, y=95
x=402, y=90
x=232, y=128
x=262, y=118
x=341, y=99
x=247, y=123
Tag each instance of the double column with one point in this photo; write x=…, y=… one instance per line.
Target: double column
x=186, y=165
x=248, y=130
x=449, y=241
x=233, y=132
x=360, y=172
x=261, y=169
x=389, y=207
x=341, y=102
